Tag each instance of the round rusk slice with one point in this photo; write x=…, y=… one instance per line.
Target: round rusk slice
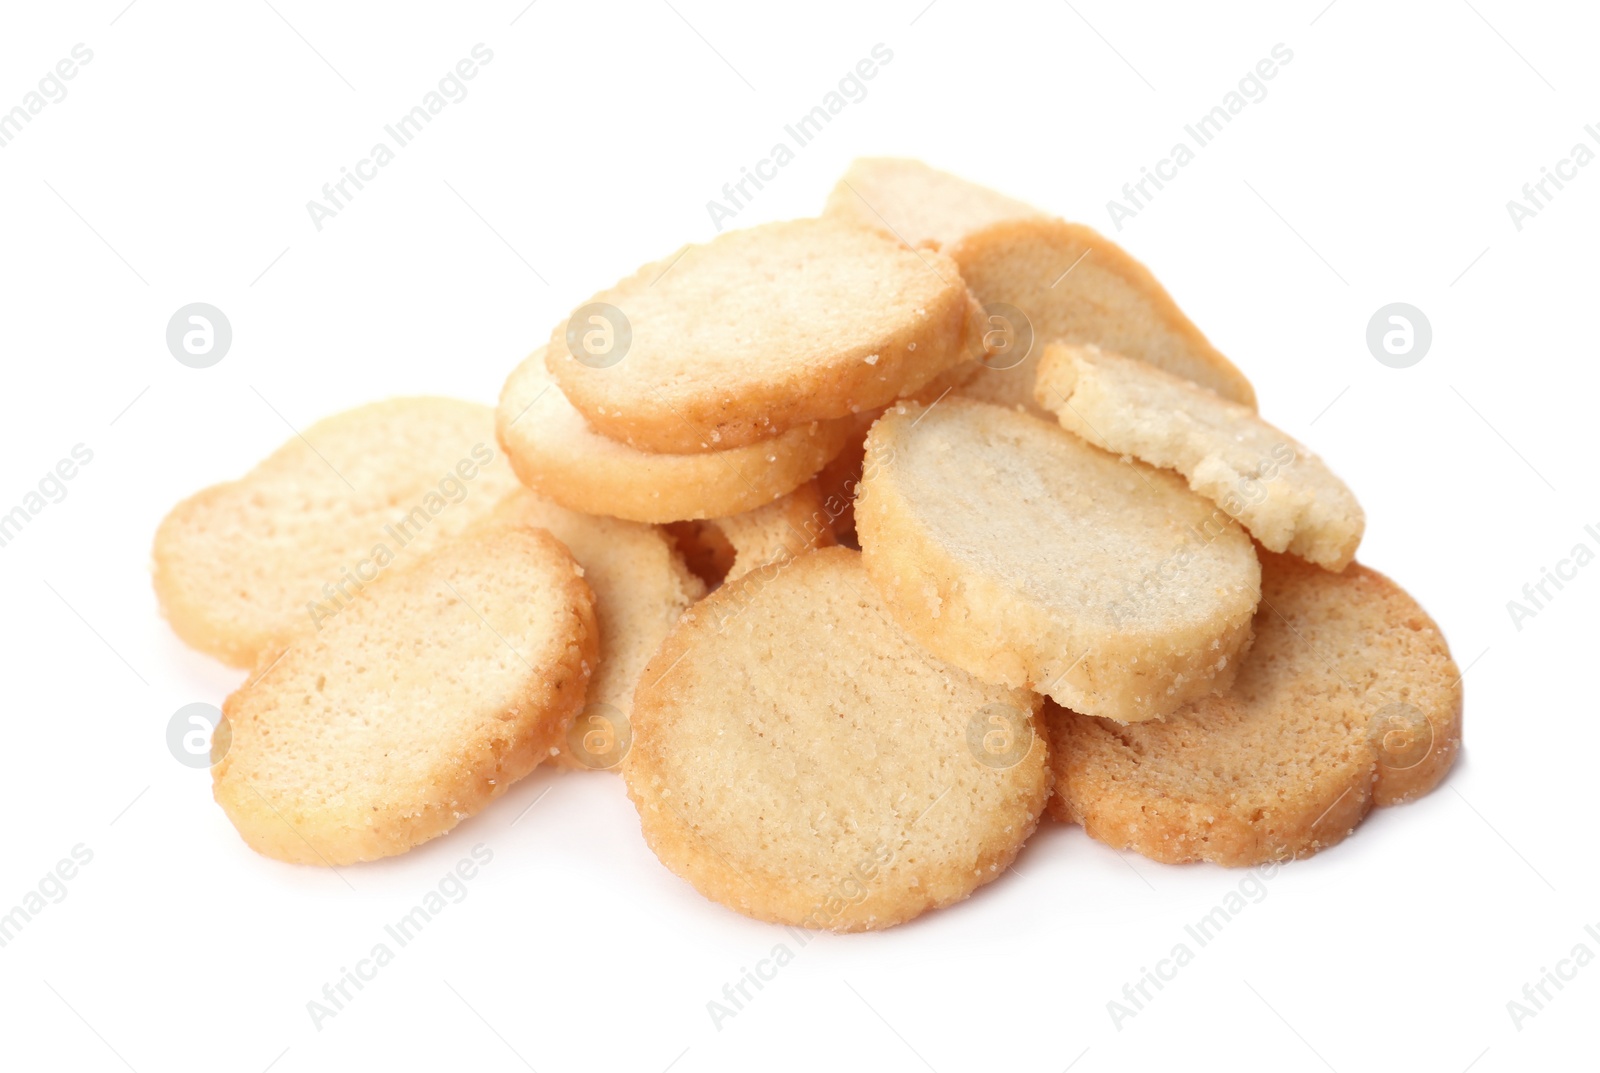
x=557, y=454
x=1286, y=496
x=761, y=331
x=1349, y=699
x=641, y=585
x=436, y=689
x=1016, y=551
x=916, y=204
x=1048, y=279
x=241, y=568
x=799, y=758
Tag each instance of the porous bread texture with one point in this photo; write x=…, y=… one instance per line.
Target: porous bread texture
x=1016, y=551
x=916, y=204
x=800, y=759
x=768, y=329
x=243, y=567
x=640, y=586
x=1077, y=286
x=557, y=454
x=437, y=688
x=1277, y=488
x=1349, y=699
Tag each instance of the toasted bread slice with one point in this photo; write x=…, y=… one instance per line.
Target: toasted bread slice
x=765, y=330
x=1286, y=496
x=241, y=568
x=1349, y=699
x=1070, y=283
x=558, y=455
x=800, y=759
x=640, y=585
x=436, y=689
x=837, y=481
x=1016, y=551
x=917, y=204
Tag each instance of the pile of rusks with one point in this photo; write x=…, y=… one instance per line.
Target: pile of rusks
x=856, y=544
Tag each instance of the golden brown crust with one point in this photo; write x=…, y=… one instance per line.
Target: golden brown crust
x=1075, y=285
x=1349, y=699
x=242, y=568
x=557, y=454
x=768, y=329
x=801, y=760
x=440, y=686
x=838, y=480
x=1017, y=552
x=640, y=585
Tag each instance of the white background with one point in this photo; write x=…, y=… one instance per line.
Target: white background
x=1376, y=170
